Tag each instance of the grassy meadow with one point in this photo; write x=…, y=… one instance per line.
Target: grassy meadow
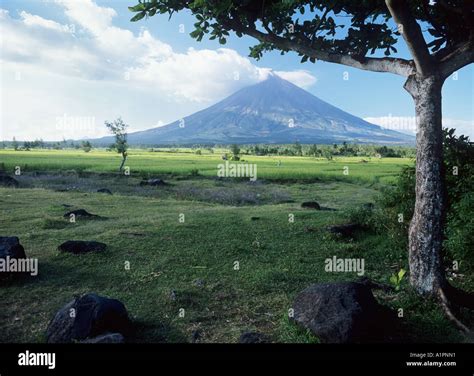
x=191, y=264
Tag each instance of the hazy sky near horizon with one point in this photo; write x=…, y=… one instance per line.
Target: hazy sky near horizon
x=69, y=65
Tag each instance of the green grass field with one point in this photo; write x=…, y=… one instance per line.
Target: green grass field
x=277, y=259
x=362, y=169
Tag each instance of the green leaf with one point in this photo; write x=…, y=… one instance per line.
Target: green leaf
x=394, y=279
x=138, y=17
x=401, y=273
x=137, y=8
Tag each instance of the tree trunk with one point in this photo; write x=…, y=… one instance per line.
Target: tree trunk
x=426, y=227
x=124, y=157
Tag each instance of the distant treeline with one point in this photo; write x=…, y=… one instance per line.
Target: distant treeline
x=40, y=144
x=329, y=151
x=296, y=149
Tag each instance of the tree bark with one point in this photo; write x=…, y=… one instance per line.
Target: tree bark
x=426, y=227
x=124, y=157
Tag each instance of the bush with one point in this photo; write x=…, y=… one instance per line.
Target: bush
x=459, y=232
x=396, y=204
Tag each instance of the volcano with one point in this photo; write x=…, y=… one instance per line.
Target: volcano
x=274, y=111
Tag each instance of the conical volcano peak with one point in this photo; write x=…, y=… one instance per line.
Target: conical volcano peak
x=271, y=111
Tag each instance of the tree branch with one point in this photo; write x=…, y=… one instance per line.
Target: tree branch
x=457, y=59
x=412, y=35
x=398, y=66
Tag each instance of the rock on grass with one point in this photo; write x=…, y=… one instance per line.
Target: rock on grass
x=81, y=246
x=345, y=230
x=104, y=190
x=10, y=247
x=87, y=317
x=343, y=312
x=8, y=181
x=80, y=213
x=311, y=205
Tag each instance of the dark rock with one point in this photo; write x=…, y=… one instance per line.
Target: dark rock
x=153, y=182
x=104, y=190
x=196, y=336
x=10, y=247
x=344, y=312
x=8, y=181
x=88, y=316
x=80, y=213
x=346, y=230
x=106, y=338
x=80, y=246
x=172, y=295
x=311, y=205
x=253, y=337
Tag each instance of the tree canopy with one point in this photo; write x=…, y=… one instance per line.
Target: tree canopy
x=339, y=31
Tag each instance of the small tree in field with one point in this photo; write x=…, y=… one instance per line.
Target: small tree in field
x=119, y=129
x=86, y=146
x=235, y=150
x=15, y=144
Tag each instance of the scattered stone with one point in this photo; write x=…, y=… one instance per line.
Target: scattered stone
x=86, y=317
x=8, y=181
x=253, y=337
x=104, y=190
x=81, y=246
x=343, y=312
x=106, y=338
x=198, y=282
x=10, y=248
x=153, y=182
x=346, y=230
x=173, y=296
x=196, y=336
x=311, y=205
x=80, y=213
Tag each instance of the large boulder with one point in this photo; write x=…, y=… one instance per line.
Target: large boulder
x=10, y=248
x=81, y=246
x=87, y=317
x=343, y=312
x=8, y=181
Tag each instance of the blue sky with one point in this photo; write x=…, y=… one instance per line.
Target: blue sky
x=69, y=65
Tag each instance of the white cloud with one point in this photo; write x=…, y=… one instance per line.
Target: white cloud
x=299, y=77
x=66, y=67
x=407, y=124
x=33, y=20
